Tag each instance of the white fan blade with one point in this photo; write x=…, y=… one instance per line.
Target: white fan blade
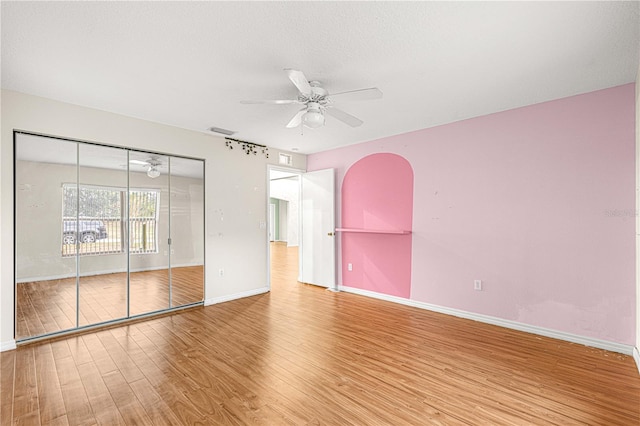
x=297, y=119
x=138, y=162
x=357, y=95
x=344, y=117
x=275, y=101
x=301, y=82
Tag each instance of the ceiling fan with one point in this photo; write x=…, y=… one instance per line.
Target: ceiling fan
x=317, y=101
x=153, y=163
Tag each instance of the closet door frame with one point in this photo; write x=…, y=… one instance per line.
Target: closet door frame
x=126, y=243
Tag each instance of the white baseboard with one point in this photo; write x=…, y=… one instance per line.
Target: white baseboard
x=636, y=357
x=7, y=346
x=569, y=337
x=235, y=296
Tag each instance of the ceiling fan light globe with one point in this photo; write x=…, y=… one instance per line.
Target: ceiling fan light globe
x=313, y=119
x=153, y=172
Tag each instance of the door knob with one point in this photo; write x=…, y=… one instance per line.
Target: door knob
x=330, y=234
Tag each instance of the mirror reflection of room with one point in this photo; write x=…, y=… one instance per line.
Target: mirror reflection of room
x=103, y=234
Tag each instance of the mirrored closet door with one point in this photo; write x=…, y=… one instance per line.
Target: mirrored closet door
x=187, y=231
x=149, y=257
x=45, y=273
x=93, y=214
x=103, y=234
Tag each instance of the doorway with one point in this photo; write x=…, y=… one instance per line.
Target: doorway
x=284, y=226
x=308, y=199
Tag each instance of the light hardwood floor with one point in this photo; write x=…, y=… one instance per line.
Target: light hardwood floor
x=303, y=355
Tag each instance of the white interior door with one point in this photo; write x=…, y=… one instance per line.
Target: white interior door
x=318, y=246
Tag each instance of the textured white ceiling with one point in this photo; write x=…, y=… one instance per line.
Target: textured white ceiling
x=189, y=64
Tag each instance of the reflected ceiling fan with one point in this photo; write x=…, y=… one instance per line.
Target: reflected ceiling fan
x=317, y=101
x=152, y=163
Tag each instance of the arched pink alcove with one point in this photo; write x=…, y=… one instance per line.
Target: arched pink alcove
x=377, y=215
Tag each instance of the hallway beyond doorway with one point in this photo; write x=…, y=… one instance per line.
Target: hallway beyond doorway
x=284, y=265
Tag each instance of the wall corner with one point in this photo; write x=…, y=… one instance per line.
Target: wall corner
x=637, y=324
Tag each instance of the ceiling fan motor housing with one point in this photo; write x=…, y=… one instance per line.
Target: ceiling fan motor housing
x=317, y=92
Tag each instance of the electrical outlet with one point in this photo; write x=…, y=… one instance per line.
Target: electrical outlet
x=477, y=285
x=221, y=272
x=349, y=267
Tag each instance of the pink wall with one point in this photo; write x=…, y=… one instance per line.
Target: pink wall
x=377, y=194
x=538, y=202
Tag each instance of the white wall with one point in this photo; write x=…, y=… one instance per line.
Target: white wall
x=288, y=190
x=235, y=190
x=283, y=218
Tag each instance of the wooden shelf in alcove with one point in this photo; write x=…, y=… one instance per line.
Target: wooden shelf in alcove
x=373, y=231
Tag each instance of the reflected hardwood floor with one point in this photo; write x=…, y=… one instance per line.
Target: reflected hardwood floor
x=49, y=306
x=302, y=355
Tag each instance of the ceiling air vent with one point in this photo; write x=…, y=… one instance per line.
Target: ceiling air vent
x=221, y=131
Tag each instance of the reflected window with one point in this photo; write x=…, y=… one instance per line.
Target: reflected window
x=143, y=220
x=92, y=220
